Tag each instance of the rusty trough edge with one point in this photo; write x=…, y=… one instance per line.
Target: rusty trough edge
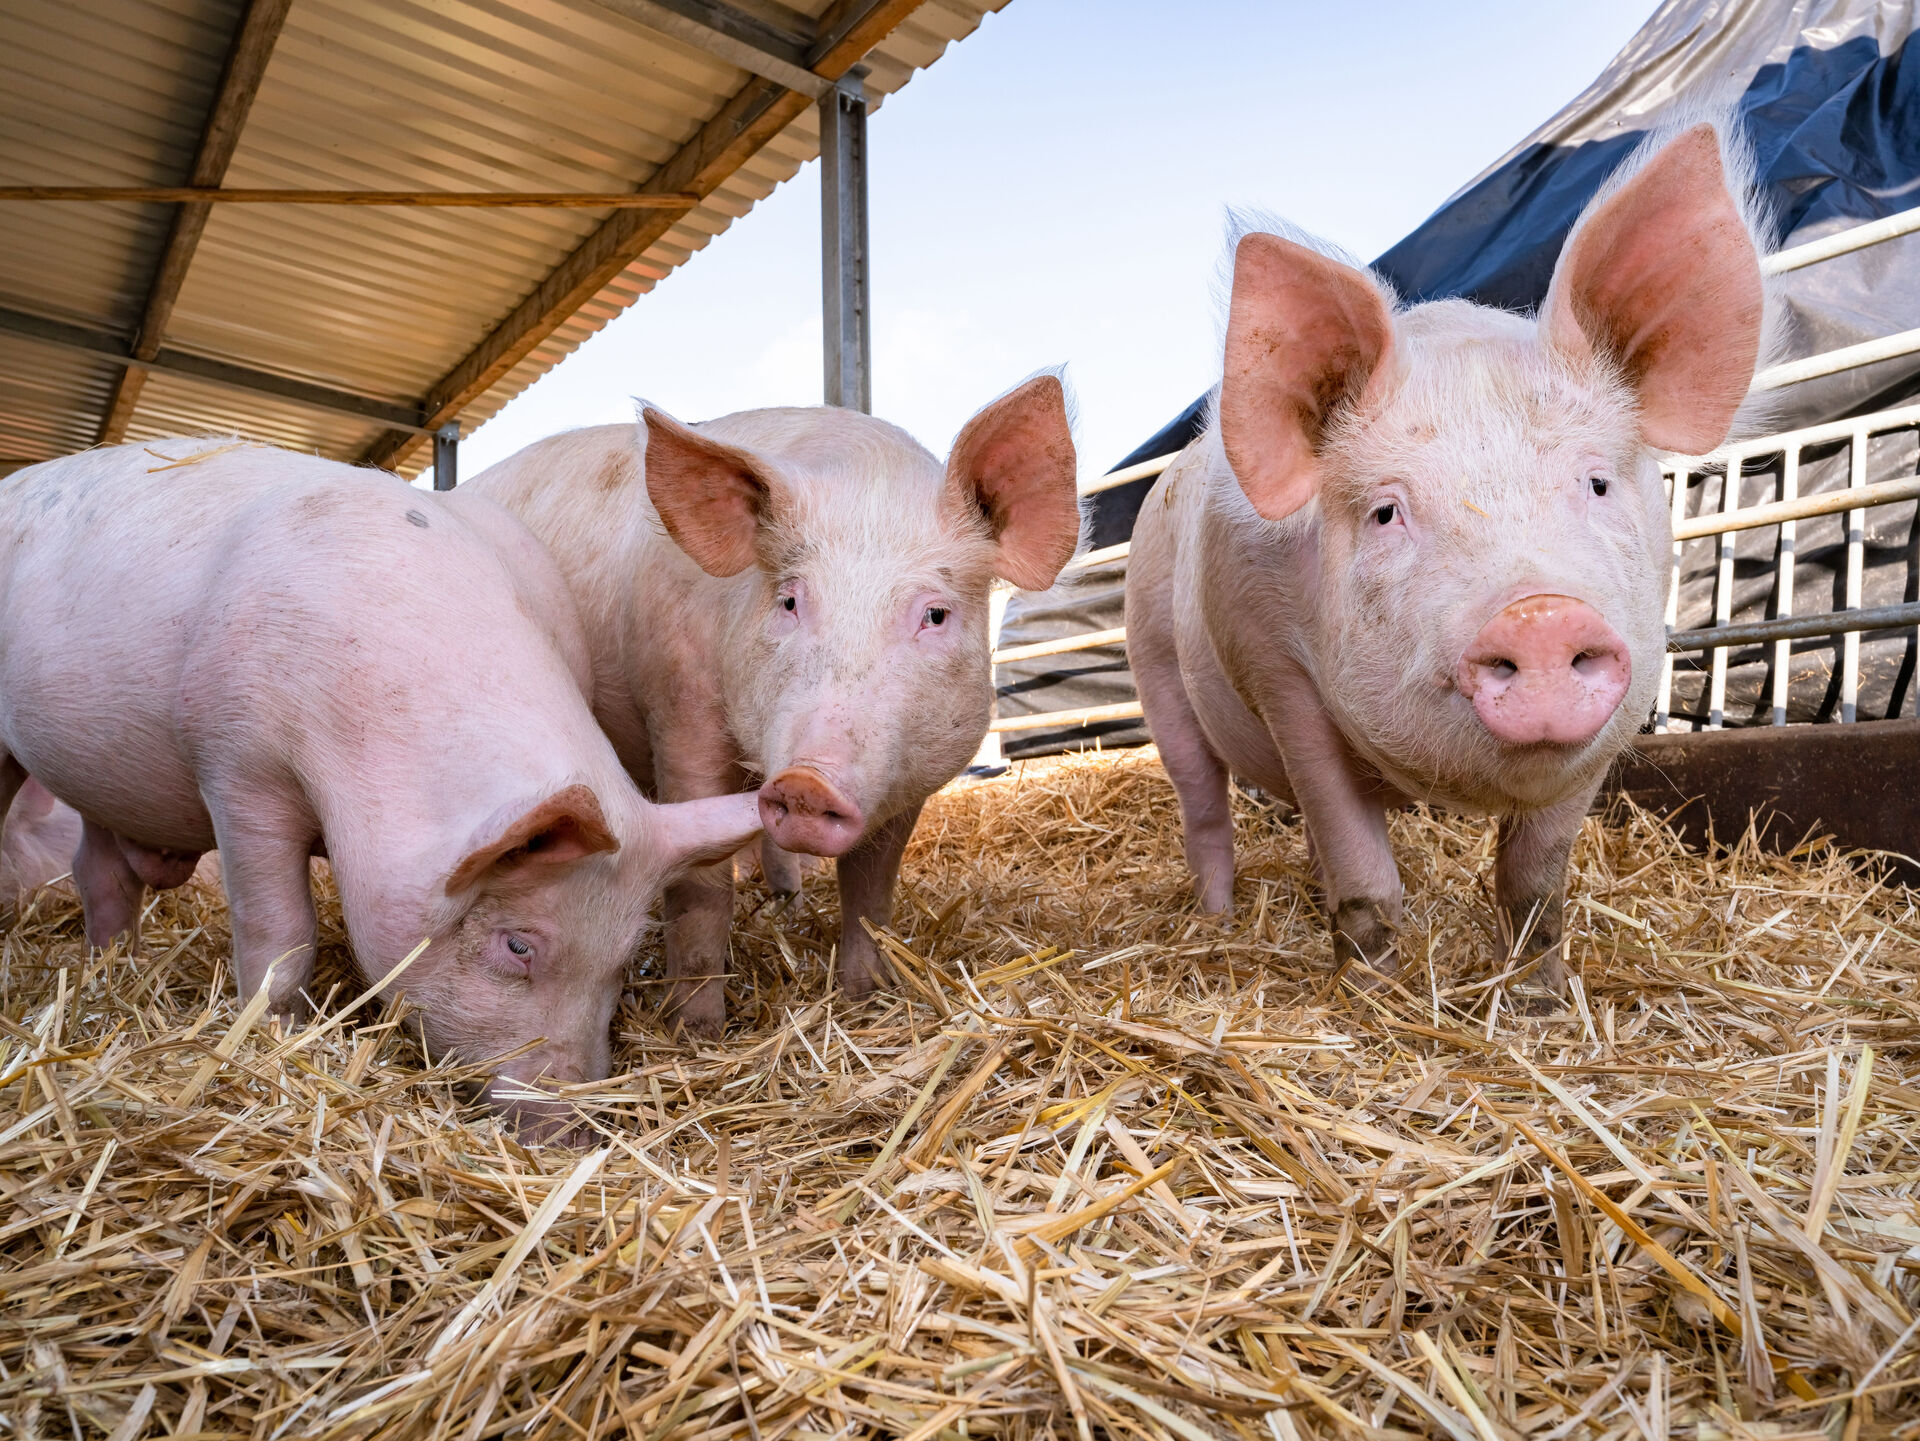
x=1861, y=783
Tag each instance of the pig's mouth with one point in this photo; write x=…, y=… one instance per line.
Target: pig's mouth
x=536, y=1117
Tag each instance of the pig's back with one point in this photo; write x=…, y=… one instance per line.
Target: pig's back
x=583, y=495
x=357, y=624
x=254, y=612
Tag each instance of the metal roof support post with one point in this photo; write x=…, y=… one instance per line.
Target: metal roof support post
x=446, y=456
x=843, y=244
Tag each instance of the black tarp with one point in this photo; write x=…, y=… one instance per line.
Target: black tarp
x=1829, y=98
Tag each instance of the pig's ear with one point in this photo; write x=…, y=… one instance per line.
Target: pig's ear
x=567, y=826
x=1014, y=461
x=711, y=496
x=697, y=833
x=1304, y=335
x=1662, y=278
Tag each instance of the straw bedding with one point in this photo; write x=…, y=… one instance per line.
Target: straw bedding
x=1098, y=1166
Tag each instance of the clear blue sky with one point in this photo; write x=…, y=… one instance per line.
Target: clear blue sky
x=1051, y=191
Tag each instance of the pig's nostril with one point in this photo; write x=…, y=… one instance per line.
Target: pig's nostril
x=1503, y=668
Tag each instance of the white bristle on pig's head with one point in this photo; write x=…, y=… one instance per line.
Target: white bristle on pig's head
x=1242, y=221
x=1738, y=165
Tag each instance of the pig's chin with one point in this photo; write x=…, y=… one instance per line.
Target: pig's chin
x=1454, y=761
x=534, y=1117
x=1536, y=774
x=1544, y=773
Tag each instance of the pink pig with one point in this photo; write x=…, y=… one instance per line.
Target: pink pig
x=797, y=599
x=1421, y=553
x=283, y=656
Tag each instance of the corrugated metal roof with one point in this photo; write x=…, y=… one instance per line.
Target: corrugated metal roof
x=546, y=95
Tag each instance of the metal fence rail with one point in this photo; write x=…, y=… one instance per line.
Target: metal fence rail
x=1847, y=623
x=1792, y=507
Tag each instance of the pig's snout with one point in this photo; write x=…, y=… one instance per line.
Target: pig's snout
x=547, y=1123
x=536, y=1118
x=804, y=811
x=1547, y=669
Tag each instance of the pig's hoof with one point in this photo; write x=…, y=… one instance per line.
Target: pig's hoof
x=697, y=1011
x=1536, y=1001
x=550, y=1129
x=858, y=976
x=1365, y=948
x=1544, y=992
x=1215, y=896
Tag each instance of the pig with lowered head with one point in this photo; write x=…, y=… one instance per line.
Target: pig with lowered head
x=282, y=656
x=796, y=599
x=1421, y=551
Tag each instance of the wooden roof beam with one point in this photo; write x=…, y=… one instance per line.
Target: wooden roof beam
x=252, y=47
x=758, y=112
x=478, y=199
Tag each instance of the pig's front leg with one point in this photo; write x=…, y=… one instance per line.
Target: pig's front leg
x=1530, y=874
x=110, y=892
x=1346, y=821
x=867, y=874
x=699, y=916
x=270, y=895
x=1199, y=779
x=688, y=765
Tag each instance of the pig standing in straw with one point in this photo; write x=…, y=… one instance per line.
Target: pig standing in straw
x=210, y=644
x=1421, y=552
x=799, y=597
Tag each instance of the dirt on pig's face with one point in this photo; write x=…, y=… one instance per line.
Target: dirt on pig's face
x=1491, y=473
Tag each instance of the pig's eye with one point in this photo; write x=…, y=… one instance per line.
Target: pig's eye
x=1384, y=514
x=936, y=615
x=510, y=956
x=1599, y=484
x=789, y=603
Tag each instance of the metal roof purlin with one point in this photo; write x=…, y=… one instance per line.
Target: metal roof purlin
x=759, y=111
x=730, y=36
x=253, y=44
x=88, y=341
